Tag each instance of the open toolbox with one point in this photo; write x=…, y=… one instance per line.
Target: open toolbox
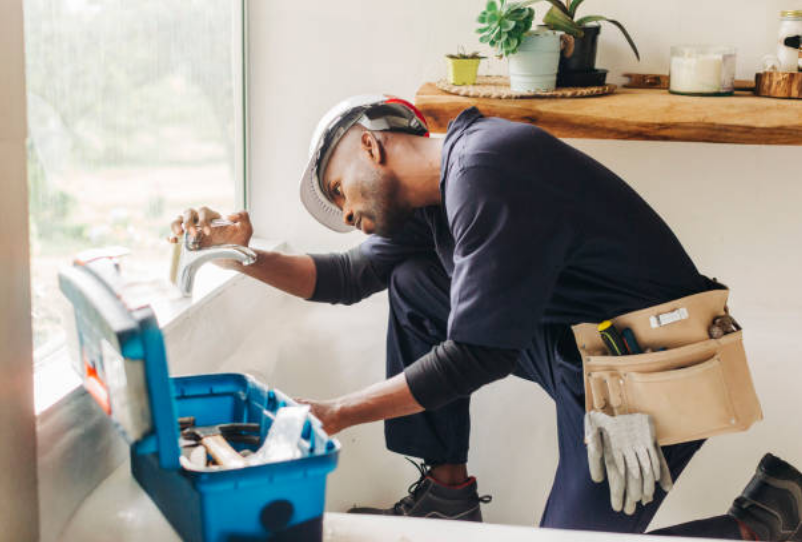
x=123, y=364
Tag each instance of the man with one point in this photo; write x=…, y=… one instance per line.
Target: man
x=491, y=242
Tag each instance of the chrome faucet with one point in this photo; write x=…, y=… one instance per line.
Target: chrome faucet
x=192, y=258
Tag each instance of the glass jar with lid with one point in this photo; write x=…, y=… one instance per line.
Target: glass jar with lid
x=788, y=43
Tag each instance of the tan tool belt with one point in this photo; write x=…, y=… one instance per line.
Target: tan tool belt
x=696, y=388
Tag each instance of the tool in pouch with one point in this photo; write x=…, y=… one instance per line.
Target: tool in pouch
x=697, y=386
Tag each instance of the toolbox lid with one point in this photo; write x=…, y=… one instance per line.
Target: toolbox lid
x=121, y=356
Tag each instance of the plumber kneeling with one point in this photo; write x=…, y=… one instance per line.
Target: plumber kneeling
x=492, y=243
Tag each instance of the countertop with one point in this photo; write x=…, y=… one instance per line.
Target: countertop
x=119, y=509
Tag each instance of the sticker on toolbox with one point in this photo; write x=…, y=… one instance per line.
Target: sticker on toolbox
x=128, y=392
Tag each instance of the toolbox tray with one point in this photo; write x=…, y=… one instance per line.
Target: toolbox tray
x=123, y=364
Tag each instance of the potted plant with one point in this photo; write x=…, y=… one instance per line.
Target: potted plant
x=463, y=67
x=579, y=69
x=533, y=54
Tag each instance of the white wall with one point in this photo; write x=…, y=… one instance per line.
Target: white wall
x=18, y=505
x=734, y=207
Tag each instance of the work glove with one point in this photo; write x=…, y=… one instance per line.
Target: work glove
x=625, y=448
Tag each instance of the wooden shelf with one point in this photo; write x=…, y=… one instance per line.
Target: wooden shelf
x=635, y=114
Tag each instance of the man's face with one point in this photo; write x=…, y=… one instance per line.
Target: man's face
x=359, y=183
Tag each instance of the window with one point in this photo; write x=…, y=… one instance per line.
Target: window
x=135, y=113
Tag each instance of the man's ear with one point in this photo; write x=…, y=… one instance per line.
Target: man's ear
x=373, y=146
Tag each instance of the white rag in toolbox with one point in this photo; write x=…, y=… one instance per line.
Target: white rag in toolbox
x=283, y=438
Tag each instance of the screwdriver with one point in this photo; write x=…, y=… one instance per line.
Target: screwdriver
x=615, y=344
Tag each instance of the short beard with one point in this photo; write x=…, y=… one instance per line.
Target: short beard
x=388, y=213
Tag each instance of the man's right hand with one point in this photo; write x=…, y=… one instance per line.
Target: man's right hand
x=294, y=274
x=199, y=223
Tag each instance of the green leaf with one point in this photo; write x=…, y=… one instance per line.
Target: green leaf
x=595, y=18
x=528, y=22
x=484, y=39
x=573, y=7
x=555, y=3
x=517, y=14
x=557, y=20
x=507, y=25
x=482, y=18
x=491, y=6
x=584, y=21
x=492, y=17
x=482, y=30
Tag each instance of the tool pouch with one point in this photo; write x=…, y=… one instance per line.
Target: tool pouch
x=692, y=386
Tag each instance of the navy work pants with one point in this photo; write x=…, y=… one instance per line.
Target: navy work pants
x=419, y=308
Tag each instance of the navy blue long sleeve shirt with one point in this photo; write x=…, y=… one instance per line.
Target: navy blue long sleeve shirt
x=531, y=231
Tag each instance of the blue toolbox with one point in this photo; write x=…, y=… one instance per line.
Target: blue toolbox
x=124, y=367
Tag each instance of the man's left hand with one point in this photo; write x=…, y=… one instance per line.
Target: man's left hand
x=381, y=401
x=328, y=412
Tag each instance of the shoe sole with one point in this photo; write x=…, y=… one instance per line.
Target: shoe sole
x=460, y=517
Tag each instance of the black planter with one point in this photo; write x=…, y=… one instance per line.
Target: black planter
x=584, y=57
x=595, y=78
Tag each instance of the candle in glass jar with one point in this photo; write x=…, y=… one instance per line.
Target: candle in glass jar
x=702, y=69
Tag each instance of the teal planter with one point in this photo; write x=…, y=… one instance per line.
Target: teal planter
x=534, y=66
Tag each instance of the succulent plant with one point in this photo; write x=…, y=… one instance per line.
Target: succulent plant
x=563, y=17
x=504, y=24
x=462, y=55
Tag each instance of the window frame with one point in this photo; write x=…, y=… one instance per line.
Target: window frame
x=241, y=132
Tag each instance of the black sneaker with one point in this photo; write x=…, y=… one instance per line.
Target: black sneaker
x=771, y=503
x=428, y=498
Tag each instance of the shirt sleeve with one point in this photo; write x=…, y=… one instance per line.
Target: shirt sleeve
x=453, y=370
x=510, y=246
x=348, y=277
x=344, y=278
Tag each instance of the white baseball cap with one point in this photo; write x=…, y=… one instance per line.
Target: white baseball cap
x=376, y=112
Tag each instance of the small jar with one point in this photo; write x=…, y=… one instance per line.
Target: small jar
x=790, y=27
x=702, y=70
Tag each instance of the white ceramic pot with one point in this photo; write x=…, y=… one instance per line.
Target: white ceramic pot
x=534, y=66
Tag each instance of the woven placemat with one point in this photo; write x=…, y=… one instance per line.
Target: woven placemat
x=499, y=87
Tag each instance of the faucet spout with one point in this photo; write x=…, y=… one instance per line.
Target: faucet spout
x=191, y=260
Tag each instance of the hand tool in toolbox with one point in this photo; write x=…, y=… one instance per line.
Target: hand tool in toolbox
x=216, y=440
x=121, y=356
